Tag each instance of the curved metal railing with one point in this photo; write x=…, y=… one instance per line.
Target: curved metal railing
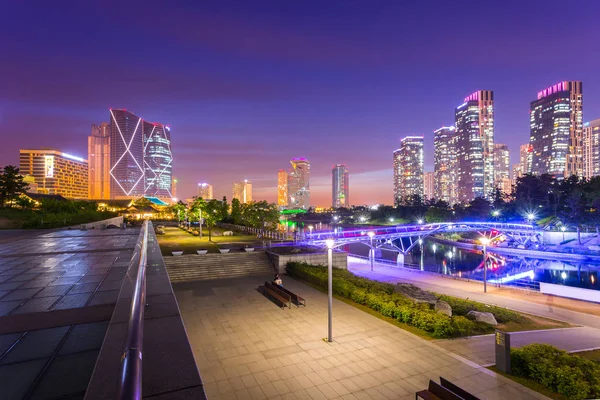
x=131, y=360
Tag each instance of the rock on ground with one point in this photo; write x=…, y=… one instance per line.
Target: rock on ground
x=485, y=317
x=442, y=307
x=415, y=293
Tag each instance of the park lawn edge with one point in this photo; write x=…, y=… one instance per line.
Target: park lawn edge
x=530, y=384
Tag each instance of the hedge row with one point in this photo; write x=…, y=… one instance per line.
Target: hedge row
x=570, y=375
x=382, y=298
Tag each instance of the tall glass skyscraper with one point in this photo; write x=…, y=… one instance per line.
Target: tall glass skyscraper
x=591, y=146
x=299, y=183
x=502, y=168
x=158, y=160
x=474, y=121
x=340, y=188
x=556, y=124
x=408, y=169
x=205, y=191
x=99, y=162
x=243, y=191
x=445, y=165
x=126, y=155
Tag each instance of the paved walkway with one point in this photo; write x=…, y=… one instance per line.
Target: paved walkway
x=248, y=348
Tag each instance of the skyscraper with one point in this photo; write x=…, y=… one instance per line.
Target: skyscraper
x=158, y=160
x=591, y=148
x=556, y=123
x=502, y=168
x=524, y=167
x=243, y=191
x=340, y=186
x=475, y=131
x=299, y=183
x=428, y=191
x=408, y=169
x=282, y=188
x=99, y=162
x=445, y=168
x=126, y=155
x=205, y=191
x=56, y=172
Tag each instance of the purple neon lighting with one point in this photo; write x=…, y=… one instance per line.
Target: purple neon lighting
x=472, y=96
x=559, y=87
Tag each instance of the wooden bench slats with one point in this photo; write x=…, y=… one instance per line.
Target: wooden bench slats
x=282, y=297
x=299, y=301
x=446, y=391
x=458, y=390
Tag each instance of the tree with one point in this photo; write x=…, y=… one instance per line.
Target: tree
x=24, y=202
x=479, y=208
x=236, y=212
x=224, y=209
x=11, y=185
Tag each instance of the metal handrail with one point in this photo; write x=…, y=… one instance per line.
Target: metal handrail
x=131, y=359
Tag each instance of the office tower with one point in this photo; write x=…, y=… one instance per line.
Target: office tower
x=428, y=186
x=516, y=172
x=299, y=183
x=205, y=191
x=56, y=172
x=126, y=155
x=158, y=160
x=445, y=168
x=524, y=167
x=502, y=168
x=591, y=148
x=175, y=188
x=99, y=162
x=556, y=139
x=282, y=188
x=475, y=130
x=340, y=186
x=408, y=169
x=243, y=191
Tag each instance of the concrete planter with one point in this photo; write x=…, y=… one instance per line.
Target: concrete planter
x=177, y=253
x=340, y=259
x=224, y=251
x=248, y=249
x=201, y=251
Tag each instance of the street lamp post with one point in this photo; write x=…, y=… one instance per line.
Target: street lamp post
x=371, y=251
x=310, y=229
x=330, y=244
x=485, y=241
x=563, y=229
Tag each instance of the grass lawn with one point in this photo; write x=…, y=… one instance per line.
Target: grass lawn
x=177, y=239
x=593, y=355
x=534, y=323
x=531, y=384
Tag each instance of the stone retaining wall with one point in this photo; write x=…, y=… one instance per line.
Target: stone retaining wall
x=118, y=221
x=340, y=259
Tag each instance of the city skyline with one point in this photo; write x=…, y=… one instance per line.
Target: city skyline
x=270, y=97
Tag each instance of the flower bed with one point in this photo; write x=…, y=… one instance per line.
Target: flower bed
x=570, y=375
x=382, y=298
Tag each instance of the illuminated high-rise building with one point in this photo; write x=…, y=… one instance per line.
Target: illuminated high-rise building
x=299, y=183
x=126, y=155
x=515, y=172
x=556, y=138
x=502, y=168
x=408, y=169
x=445, y=165
x=56, y=172
x=428, y=191
x=475, y=138
x=158, y=160
x=524, y=159
x=282, y=188
x=591, y=148
x=243, y=191
x=205, y=191
x=99, y=162
x=340, y=186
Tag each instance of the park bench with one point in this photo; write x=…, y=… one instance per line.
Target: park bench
x=279, y=296
x=299, y=301
x=446, y=391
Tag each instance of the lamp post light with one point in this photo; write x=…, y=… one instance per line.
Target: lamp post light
x=330, y=244
x=563, y=229
x=310, y=229
x=484, y=241
x=371, y=251
x=420, y=221
x=530, y=217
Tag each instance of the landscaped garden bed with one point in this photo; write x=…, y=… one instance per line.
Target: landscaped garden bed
x=385, y=299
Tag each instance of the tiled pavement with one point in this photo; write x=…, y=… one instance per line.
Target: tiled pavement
x=248, y=348
x=57, y=293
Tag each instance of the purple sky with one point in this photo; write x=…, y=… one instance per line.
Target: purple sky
x=246, y=86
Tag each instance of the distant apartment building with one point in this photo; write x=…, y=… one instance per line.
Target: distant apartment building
x=428, y=186
x=99, y=162
x=445, y=165
x=556, y=131
x=55, y=172
x=591, y=148
x=408, y=169
x=299, y=183
x=205, y=191
x=515, y=172
x=158, y=160
x=340, y=186
x=474, y=121
x=282, y=188
x=524, y=159
x=243, y=191
x=502, y=168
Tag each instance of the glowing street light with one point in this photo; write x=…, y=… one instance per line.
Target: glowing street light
x=495, y=213
x=371, y=251
x=484, y=241
x=362, y=219
x=530, y=217
x=329, y=243
x=563, y=229
x=420, y=221
x=391, y=219
x=335, y=217
x=310, y=228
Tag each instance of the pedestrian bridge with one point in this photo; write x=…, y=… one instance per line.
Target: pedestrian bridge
x=403, y=238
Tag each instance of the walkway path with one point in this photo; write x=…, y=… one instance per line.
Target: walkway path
x=248, y=348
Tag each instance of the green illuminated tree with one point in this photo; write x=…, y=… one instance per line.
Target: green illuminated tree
x=11, y=185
